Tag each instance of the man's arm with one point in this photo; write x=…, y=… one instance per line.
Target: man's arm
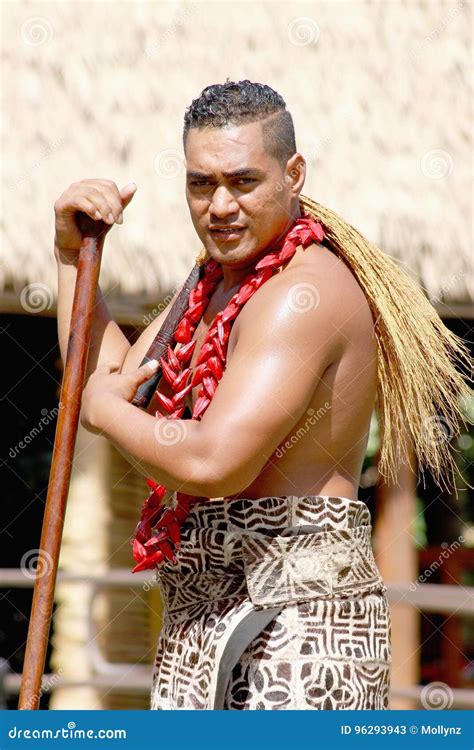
x=279, y=358
x=99, y=199
x=107, y=343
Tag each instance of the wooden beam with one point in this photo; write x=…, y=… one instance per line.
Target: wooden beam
x=396, y=559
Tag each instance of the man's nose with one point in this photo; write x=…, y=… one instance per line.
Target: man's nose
x=223, y=202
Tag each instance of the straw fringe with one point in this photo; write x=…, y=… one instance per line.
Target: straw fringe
x=420, y=392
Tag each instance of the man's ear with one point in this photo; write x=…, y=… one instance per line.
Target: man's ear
x=295, y=173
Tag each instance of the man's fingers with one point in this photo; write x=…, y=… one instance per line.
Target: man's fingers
x=127, y=193
x=108, y=367
x=145, y=371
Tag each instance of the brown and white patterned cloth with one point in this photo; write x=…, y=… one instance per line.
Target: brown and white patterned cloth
x=275, y=603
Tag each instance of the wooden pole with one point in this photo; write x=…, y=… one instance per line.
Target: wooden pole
x=396, y=558
x=90, y=253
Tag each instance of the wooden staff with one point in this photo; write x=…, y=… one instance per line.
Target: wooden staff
x=165, y=336
x=90, y=253
x=93, y=233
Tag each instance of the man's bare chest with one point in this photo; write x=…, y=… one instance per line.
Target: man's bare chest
x=216, y=304
x=200, y=335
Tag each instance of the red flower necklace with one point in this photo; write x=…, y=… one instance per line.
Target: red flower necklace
x=158, y=530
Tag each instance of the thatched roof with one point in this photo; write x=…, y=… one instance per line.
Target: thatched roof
x=379, y=94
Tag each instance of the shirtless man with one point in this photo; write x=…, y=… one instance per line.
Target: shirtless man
x=284, y=365
x=291, y=415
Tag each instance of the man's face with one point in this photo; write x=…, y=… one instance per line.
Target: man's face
x=220, y=193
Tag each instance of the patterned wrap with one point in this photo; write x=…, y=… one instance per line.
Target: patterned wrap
x=275, y=603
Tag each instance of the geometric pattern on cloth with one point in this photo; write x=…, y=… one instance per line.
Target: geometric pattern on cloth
x=318, y=655
x=274, y=603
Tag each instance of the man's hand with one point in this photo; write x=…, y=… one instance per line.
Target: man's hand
x=107, y=384
x=99, y=199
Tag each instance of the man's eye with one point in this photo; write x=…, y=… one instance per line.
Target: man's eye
x=207, y=183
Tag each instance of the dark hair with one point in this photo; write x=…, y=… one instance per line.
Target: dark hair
x=241, y=102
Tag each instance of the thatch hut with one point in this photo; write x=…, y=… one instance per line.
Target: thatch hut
x=381, y=106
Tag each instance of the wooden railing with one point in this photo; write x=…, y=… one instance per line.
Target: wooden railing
x=427, y=597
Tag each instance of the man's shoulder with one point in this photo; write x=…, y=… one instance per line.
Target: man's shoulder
x=315, y=279
x=314, y=303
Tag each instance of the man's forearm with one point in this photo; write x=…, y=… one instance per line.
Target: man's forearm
x=108, y=343
x=170, y=451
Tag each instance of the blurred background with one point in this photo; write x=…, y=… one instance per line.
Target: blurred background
x=380, y=94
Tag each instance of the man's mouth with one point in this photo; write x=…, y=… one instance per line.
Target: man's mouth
x=227, y=233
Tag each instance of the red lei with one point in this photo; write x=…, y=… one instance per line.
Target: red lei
x=158, y=530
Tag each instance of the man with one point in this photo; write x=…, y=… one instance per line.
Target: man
x=275, y=600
